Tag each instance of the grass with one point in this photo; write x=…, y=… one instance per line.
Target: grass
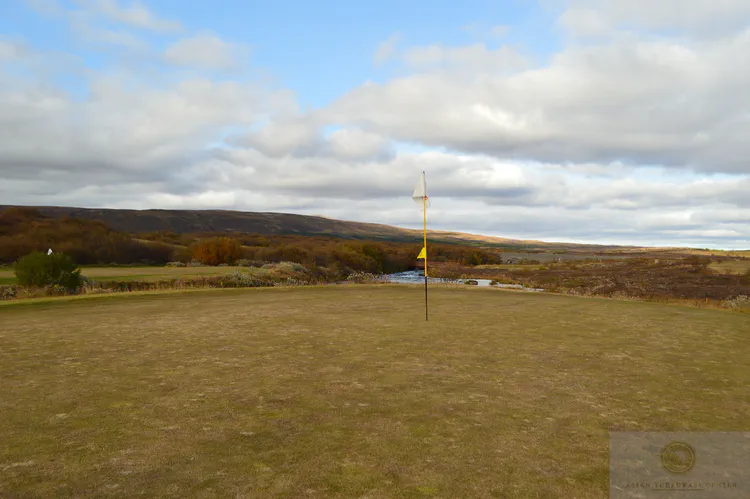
x=731, y=266
x=345, y=391
x=7, y=276
x=510, y=266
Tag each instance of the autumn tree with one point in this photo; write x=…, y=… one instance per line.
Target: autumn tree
x=217, y=250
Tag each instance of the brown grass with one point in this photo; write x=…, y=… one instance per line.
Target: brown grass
x=345, y=391
x=736, y=267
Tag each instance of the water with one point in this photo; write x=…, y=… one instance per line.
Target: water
x=417, y=277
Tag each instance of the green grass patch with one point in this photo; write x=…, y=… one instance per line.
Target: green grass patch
x=345, y=391
x=135, y=273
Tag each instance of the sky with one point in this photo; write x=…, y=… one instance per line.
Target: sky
x=594, y=121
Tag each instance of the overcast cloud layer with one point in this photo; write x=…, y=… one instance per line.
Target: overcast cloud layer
x=634, y=131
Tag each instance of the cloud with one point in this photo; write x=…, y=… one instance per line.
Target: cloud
x=639, y=101
x=135, y=15
x=500, y=30
x=84, y=26
x=206, y=51
x=355, y=144
x=11, y=51
x=476, y=57
x=584, y=22
x=624, y=135
x=303, y=137
x=46, y=7
x=387, y=49
x=694, y=17
x=483, y=32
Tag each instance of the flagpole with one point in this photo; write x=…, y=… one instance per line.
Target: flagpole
x=424, y=211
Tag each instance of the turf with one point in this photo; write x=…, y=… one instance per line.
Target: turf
x=7, y=276
x=345, y=391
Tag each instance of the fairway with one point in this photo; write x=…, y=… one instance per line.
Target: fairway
x=345, y=391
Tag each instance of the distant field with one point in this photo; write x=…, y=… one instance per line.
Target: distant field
x=134, y=273
x=731, y=266
x=345, y=391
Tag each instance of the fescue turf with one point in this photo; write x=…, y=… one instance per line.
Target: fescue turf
x=345, y=391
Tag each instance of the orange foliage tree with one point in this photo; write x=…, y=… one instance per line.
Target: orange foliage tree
x=217, y=250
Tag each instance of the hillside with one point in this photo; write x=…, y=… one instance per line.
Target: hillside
x=223, y=221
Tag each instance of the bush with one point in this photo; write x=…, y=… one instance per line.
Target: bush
x=738, y=302
x=240, y=279
x=39, y=269
x=8, y=292
x=244, y=262
x=360, y=277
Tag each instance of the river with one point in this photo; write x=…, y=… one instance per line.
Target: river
x=417, y=277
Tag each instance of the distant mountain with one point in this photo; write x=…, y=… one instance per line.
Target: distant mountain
x=192, y=221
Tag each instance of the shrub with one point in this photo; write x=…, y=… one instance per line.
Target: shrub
x=286, y=267
x=176, y=264
x=39, y=269
x=244, y=262
x=244, y=280
x=360, y=277
x=8, y=292
x=738, y=302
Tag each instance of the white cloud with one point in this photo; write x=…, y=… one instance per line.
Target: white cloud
x=696, y=17
x=46, y=7
x=640, y=101
x=284, y=137
x=481, y=31
x=135, y=15
x=387, y=49
x=500, y=30
x=85, y=27
x=580, y=21
x=476, y=57
x=355, y=144
x=9, y=50
x=617, y=139
x=206, y=51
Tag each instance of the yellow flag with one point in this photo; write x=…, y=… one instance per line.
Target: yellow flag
x=422, y=254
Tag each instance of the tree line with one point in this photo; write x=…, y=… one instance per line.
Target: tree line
x=24, y=230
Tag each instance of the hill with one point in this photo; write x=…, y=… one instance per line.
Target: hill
x=227, y=221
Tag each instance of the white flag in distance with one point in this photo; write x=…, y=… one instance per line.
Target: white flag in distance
x=420, y=193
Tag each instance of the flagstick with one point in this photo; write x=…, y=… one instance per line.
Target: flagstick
x=424, y=210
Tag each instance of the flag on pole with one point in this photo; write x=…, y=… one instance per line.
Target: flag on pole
x=420, y=196
x=49, y=252
x=420, y=193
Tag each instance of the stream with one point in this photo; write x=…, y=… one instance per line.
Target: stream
x=417, y=277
